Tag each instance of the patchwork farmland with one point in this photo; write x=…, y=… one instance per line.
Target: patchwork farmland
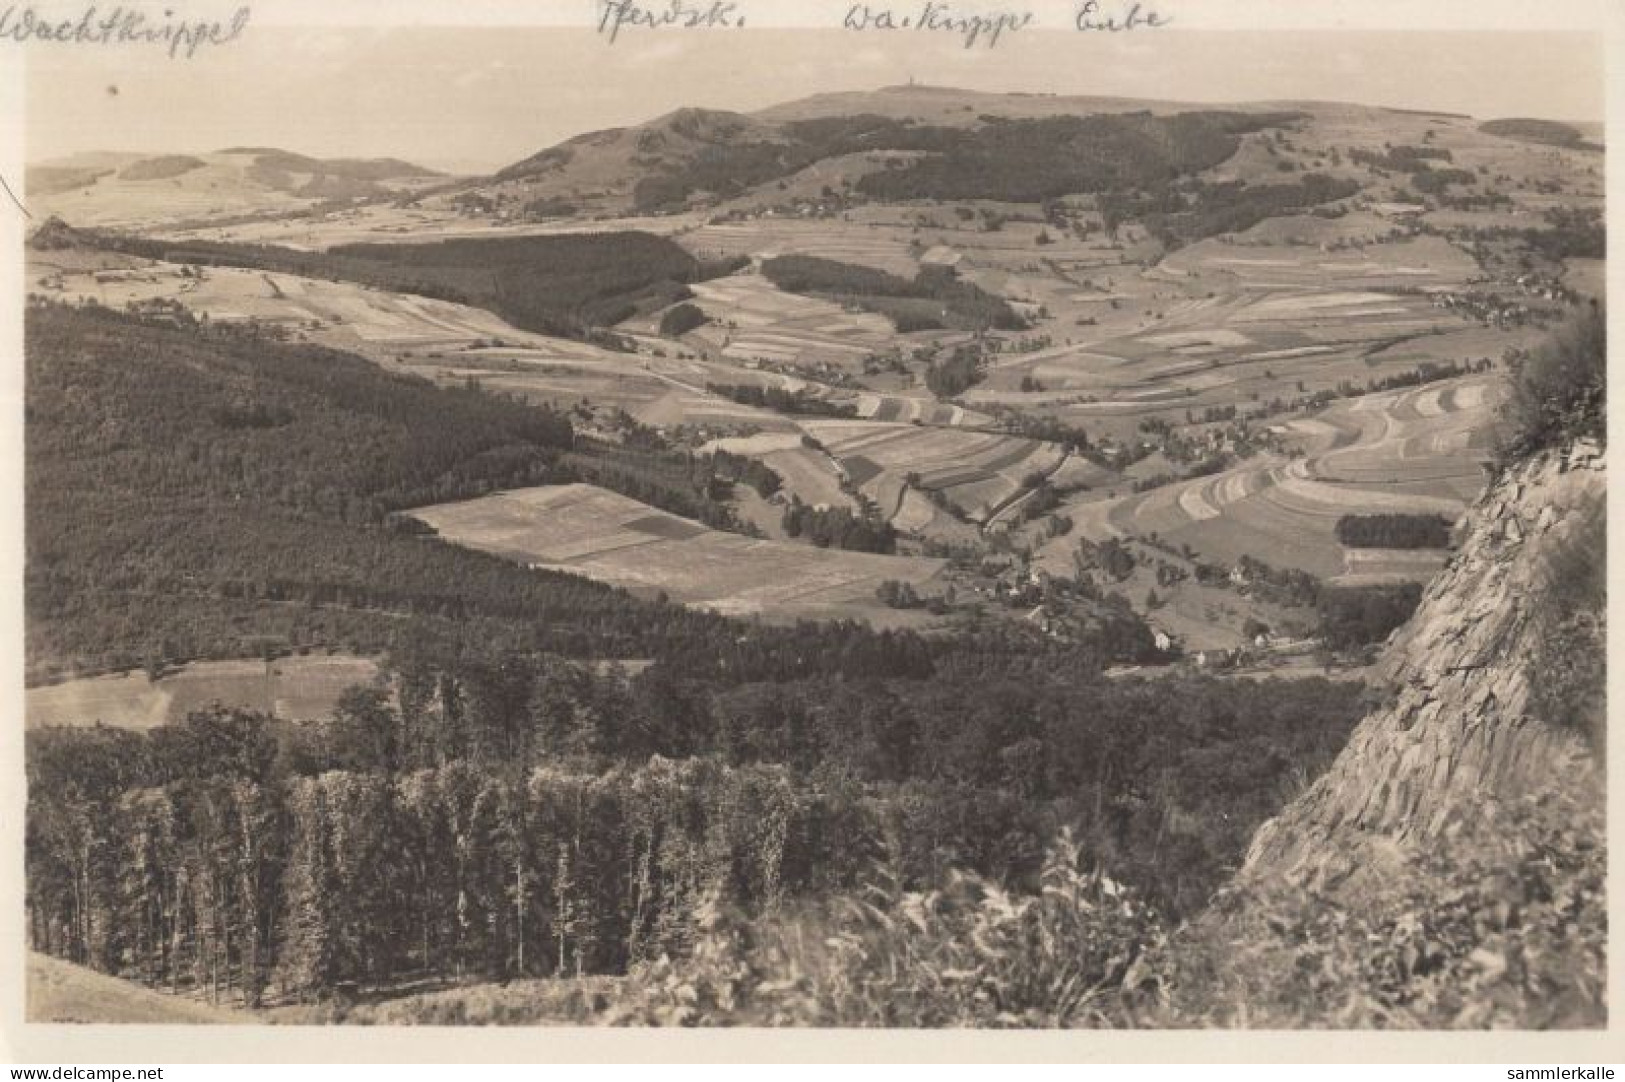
x=1251, y=348
x=1175, y=346
x=612, y=539
x=754, y=322
x=439, y=340
x=1413, y=451
x=975, y=471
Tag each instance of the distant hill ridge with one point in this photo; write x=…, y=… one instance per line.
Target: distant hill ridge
x=1000, y=146
x=124, y=189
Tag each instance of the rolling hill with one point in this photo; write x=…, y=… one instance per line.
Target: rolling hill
x=125, y=189
x=707, y=156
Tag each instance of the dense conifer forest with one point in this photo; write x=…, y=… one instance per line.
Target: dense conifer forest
x=543, y=819
x=563, y=285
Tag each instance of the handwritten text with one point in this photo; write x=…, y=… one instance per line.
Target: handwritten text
x=1133, y=17
x=935, y=16
x=621, y=14
x=120, y=26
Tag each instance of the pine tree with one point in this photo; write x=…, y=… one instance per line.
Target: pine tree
x=308, y=961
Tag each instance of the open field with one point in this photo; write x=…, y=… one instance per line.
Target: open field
x=842, y=241
x=754, y=321
x=917, y=409
x=382, y=223
x=812, y=476
x=1414, y=262
x=610, y=538
x=292, y=688
x=977, y=471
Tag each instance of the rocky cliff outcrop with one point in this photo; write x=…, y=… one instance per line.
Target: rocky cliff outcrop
x=1454, y=730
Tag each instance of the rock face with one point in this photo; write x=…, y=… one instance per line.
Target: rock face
x=1453, y=731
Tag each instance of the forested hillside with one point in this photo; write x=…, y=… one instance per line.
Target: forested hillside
x=204, y=493
x=1026, y=161
x=562, y=285
x=700, y=153
x=949, y=302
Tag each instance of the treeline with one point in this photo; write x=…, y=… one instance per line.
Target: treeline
x=1394, y=531
x=838, y=527
x=742, y=469
x=1356, y=616
x=1423, y=374
x=674, y=481
x=1417, y=163
x=252, y=884
x=953, y=375
x=563, y=285
x=1402, y=159
x=512, y=817
x=1573, y=233
x=954, y=303
x=728, y=165
x=1348, y=617
x=1188, y=211
x=1051, y=430
x=803, y=402
x=1547, y=132
x=682, y=318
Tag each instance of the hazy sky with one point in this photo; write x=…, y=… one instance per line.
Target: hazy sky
x=468, y=100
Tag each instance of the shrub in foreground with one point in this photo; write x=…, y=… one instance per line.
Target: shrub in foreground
x=1559, y=392
x=1500, y=923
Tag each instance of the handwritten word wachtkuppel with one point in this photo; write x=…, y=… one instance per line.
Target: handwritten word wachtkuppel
x=120, y=26
x=933, y=15
x=676, y=15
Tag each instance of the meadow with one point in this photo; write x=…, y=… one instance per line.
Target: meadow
x=618, y=541
x=290, y=688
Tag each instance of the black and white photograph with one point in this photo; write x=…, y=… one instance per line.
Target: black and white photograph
x=921, y=516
